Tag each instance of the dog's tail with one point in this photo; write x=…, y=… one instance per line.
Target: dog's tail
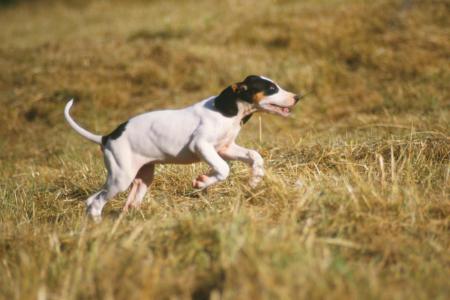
x=90, y=136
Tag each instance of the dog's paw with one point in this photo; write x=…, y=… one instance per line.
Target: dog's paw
x=96, y=219
x=254, y=181
x=200, y=182
x=93, y=214
x=257, y=175
x=126, y=208
x=133, y=205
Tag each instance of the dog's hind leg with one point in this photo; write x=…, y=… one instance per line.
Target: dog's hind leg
x=141, y=184
x=119, y=179
x=131, y=195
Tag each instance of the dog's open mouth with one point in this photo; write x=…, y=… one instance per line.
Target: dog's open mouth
x=278, y=109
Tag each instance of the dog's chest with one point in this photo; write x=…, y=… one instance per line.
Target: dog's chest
x=226, y=138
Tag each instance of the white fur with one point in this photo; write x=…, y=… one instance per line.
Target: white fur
x=182, y=136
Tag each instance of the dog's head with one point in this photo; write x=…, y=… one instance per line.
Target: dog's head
x=258, y=94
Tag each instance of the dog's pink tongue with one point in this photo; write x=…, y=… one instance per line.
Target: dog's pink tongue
x=285, y=110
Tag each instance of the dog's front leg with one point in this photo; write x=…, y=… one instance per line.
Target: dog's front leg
x=220, y=169
x=248, y=156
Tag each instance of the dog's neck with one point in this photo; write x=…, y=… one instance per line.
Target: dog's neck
x=245, y=111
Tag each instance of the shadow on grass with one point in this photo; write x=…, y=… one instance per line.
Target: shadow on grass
x=167, y=34
x=213, y=284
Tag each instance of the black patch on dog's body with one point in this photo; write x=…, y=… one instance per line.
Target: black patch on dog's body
x=226, y=102
x=115, y=134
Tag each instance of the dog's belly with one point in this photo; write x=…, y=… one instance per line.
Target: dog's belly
x=184, y=156
x=170, y=152
x=163, y=136
x=178, y=161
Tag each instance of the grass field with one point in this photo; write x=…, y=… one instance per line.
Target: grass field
x=355, y=203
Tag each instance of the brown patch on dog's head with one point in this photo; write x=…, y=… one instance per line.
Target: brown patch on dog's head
x=256, y=98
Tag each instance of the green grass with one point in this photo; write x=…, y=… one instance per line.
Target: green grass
x=355, y=203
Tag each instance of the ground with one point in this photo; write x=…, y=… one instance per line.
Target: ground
x=355, y=204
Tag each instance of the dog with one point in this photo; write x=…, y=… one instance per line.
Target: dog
x=205, y=131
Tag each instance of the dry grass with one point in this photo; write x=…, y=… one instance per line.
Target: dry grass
x=356, y=199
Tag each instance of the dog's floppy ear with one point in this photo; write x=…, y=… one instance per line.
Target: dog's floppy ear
x=242, y=91
x=226, y=102
x=240, y=87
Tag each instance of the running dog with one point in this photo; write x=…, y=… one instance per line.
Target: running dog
x=204, y=131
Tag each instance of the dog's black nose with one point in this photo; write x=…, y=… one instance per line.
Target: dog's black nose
x=296, y=98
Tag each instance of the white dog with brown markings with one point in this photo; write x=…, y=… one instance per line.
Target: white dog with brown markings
x=204, y=131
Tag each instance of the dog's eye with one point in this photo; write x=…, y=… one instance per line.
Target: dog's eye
x=272, y=88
